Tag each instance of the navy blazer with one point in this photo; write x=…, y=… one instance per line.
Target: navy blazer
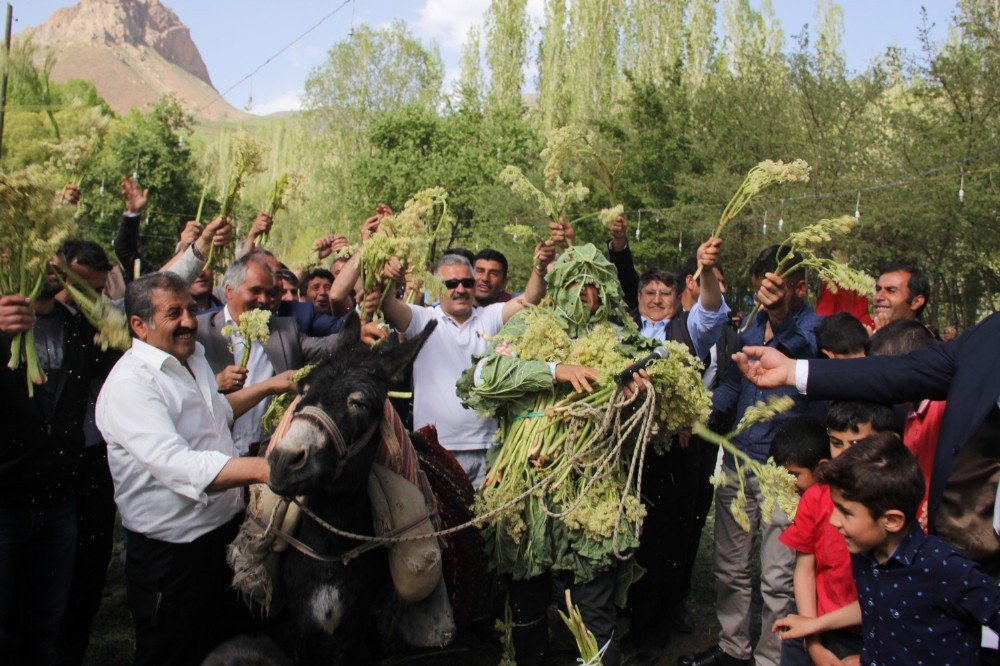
x=965, y=372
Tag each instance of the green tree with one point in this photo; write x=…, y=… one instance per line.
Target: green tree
x=553, y=97
x=506, y=51
x=470, y=84
x=593, y=73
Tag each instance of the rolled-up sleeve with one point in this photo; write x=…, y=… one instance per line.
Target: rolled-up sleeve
x=705, y=326
x=132, y=415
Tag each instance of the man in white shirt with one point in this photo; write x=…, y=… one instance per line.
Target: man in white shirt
x=463, y=331
x=177, y=478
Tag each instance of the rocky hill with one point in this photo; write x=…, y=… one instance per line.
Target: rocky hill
x=133, y=51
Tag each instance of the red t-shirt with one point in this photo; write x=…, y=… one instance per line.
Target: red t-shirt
x=811, y=533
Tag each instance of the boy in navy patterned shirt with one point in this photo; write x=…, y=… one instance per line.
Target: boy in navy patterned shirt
x=919, y=600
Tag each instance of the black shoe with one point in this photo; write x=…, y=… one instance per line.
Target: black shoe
x=713, y=656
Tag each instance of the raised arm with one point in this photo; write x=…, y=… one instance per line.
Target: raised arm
x=535, y=289
x=621, y=256
x=244, y=400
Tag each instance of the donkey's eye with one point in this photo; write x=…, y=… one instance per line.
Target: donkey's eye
x=356, y=401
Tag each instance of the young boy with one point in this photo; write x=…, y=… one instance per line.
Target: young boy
x=841, y=335
x=822, y=579
x=849, y=421
x=919, y=600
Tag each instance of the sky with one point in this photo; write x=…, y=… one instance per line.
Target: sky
x=236, y=36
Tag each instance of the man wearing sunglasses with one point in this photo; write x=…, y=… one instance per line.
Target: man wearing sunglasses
x=463, y=331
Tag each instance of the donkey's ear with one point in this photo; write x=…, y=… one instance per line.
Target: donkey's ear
x=350, y=332
x=394, y=360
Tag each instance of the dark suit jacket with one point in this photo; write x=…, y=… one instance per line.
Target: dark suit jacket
x=965, y=372
x=287, y=348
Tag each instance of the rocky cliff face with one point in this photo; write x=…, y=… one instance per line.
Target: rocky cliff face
x=134, y=51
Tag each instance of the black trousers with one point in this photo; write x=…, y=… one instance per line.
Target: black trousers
x=95, y=524
x=179, y=596
x=678, y=496
x=529, y=603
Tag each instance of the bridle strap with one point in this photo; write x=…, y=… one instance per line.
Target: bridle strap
x=344, y=451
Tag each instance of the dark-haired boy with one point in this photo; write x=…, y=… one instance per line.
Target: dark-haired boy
x=919, y=600
x=841, y=335
x=822, y=581
x=849, y=421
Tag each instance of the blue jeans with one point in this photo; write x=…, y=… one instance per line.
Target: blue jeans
x=841, y=642
x=37, y=541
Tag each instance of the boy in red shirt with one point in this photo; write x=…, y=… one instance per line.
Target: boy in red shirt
x=823, y=579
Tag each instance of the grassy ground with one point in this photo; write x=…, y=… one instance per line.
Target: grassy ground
x=111, y=641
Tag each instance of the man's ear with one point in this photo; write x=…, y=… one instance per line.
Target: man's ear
x=822, y=461
x=138, y=326
x=827, y=353
x=894, y=521
x=917, y=303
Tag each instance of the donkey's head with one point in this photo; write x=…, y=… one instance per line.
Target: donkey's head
x=333, y=436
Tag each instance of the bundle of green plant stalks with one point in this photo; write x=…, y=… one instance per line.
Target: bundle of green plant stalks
x=406, y=236
x=34, y=221
x=562, y=489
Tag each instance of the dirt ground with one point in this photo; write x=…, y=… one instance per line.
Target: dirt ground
x=111, y=639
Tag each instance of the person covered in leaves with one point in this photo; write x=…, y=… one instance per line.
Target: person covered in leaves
x=560, y=499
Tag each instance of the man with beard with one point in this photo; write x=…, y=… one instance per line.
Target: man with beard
x=490, y=268
x=39, y=454
x=901, y=292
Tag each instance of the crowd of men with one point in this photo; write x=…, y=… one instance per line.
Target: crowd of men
x=168, y=433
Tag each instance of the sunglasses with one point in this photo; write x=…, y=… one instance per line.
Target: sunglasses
x=468, y=283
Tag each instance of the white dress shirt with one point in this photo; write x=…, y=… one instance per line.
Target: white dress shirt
x=441, y=361
x=246, y=429
x=167, y=429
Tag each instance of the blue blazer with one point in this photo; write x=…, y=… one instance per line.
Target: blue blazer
x=965, y=372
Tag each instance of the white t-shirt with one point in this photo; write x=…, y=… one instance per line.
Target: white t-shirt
x=443, y=358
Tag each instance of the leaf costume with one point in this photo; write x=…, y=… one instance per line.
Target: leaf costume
x=562, y=489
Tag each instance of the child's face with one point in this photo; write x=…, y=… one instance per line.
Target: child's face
x=841, y=440
x=853, y=520
x=803, y=477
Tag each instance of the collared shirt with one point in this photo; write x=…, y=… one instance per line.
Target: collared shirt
x=925, y=605
x=246, y=429
x=440, y=363
x=167, y=429
x=796, y=337
x=812, y=534
x=704, y=327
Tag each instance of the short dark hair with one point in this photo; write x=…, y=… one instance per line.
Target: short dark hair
x=489, y=254
x=139, y=295
x=86, y=253
x=668, y=278
x=462, y=252
x=917, y=284
x=878, y=472
x=841, y=333
x=769, y=258
x=312, y=275
x=690, y=267
x=850, y=415
x=900, y=337
x=800, y=441
x=287, y=276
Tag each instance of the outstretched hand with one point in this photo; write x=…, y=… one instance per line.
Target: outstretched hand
x=766, y=367
x=135, y=198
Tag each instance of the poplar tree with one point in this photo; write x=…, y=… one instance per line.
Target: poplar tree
x=653, y=39
x=593, y=59
x=471, y=85
x=506, y=51
x=553, y=101
x=829, y=33
x=700, y=42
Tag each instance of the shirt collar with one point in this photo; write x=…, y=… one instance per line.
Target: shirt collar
x=154, y=356
x=649, y=322
x=907, y=549
x=227, y=317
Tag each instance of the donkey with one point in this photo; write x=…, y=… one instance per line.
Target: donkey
x=328, y=459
